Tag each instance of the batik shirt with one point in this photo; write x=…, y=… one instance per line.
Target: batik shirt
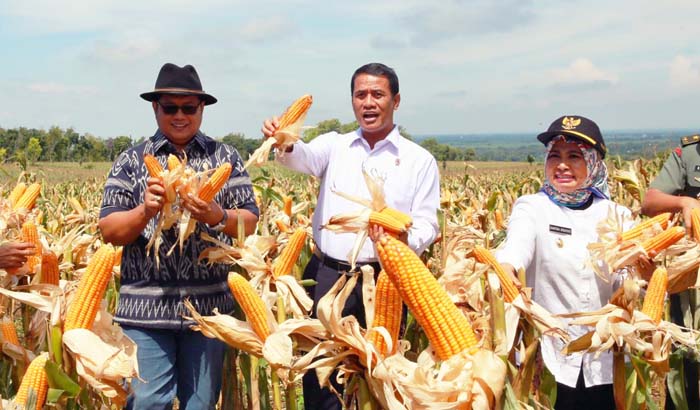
x=150, y=295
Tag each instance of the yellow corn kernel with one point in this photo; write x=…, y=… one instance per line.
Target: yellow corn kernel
x=173, y=162
x=49, y=268
x=251, y=303
x=28, y=198
x=17, y=192
x=653, y=305
x=390, y=224
x=152, y=165
x=34, y=379
x=663, y=240
x=295, y=111
x=404, y=218
x=290, y=254
x=387, y=314
x=498, y=219
x=282, y=226
x=215, y=182
x=638, y=230
x=510, y=291
x=287, y=199
x=119, y=251
x=91, y=289
x=9, y=331
x=695, y=221
x=447, y=329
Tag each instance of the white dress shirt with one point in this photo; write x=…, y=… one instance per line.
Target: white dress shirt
x=550, y=242
x=411, y=185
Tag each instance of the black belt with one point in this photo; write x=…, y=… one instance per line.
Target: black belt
x=342, y=266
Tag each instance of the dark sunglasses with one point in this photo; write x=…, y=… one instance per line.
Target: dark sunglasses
x=171, y=109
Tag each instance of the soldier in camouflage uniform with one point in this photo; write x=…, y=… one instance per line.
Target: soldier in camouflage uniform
x=676, y=189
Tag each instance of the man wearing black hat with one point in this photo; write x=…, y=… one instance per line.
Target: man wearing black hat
x=173, y=360
x=676, y=188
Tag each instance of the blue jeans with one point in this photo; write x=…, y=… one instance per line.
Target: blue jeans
x=175, y=362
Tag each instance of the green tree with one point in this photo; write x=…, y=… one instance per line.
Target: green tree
x=33, y=150
x=244, y=146
x=322, y=127
x=119, y=145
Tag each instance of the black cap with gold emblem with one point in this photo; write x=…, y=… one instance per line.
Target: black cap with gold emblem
x=690, y=139
x=578, y=127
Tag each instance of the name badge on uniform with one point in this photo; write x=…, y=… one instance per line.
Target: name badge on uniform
x=697, y=168
x=560, y=229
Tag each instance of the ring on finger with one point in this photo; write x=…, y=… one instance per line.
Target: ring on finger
x=157, y=198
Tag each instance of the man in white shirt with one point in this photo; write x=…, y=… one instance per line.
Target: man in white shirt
x=411, y=185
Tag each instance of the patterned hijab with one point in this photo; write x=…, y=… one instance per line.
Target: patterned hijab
x=596, y=182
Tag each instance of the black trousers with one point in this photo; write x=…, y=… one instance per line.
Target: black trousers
x=316, y=398
x=581, y=397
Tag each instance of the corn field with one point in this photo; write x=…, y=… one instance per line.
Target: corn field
x=466, y=325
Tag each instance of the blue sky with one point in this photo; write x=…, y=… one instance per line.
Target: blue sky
x=465, y=66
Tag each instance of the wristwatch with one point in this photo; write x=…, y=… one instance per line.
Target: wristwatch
x=222, y=224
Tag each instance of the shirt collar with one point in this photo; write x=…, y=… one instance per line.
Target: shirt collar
x=160, y=141
x=393, y=138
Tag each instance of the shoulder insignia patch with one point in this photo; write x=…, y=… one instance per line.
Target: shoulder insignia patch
x=678, y=151
x=690, y=139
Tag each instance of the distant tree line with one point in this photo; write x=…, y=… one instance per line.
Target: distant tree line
x=29, y=145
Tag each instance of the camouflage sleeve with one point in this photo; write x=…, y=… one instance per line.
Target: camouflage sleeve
x=671, y=177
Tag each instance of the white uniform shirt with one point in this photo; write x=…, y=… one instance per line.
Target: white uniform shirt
x=411, y=185
x=550, y=242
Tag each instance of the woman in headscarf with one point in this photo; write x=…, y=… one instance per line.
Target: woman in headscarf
x=548, y=234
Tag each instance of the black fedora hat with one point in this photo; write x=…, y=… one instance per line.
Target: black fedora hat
x=577, y=127
x=179, y=81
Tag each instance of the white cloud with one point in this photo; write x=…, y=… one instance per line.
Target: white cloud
x=128, y=46
x=260, y=30
x=685, y=72
x=81, y=15
x=582, y=71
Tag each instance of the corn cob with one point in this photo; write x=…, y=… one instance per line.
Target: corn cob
x=91, y=289
x=387, y=314
x=287, y=205
x=663, y=240
x=695, y=221
x=251, y=303
x=510, y=291
x=448, y=330
x=49, y=268
x=653, y=305
x=9, y=331
x=405, y=219
x=28, y=198
x=35, y=379
x=152, y=165
x=390, y=224
x=498, y=219
x=289, y=255
x=215, y=182
x=30, y=235
x=118, y=252
x=282, y=226
x=173, y=162
x=636, y=232
x=17, y=192
x=295, y=111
